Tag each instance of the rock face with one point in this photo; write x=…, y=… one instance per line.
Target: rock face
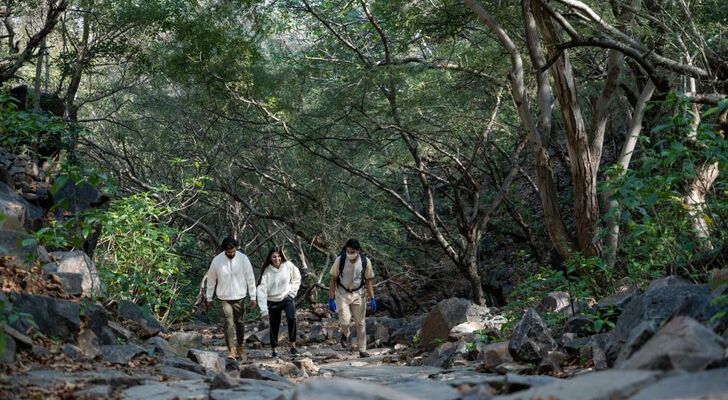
x=19, y=253
x=19, y=214
x=682, y=343
x=77, y=262
x=448, y=314
x=53, y=317
x=531, y=340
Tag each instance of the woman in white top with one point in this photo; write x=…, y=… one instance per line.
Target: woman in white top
x=277, y=288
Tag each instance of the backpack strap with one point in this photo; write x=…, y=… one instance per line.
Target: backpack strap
x=364, y=263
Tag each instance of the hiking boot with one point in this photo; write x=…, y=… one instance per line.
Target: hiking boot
x=344, y=342
x=241, y=354
x=364, y=354
x=232, y=354
x=293, y=351
x=274, y=354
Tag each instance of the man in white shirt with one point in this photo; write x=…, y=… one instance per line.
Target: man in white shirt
x=232, y=273
x=347, y=287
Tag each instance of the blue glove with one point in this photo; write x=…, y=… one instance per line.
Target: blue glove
x=332, y=305
x=373, y=305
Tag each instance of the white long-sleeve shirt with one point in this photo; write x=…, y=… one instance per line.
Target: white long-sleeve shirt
x=234, y=277
x=278, y=283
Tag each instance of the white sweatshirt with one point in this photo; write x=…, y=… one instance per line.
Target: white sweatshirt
x=234, y=277
x=278, y=283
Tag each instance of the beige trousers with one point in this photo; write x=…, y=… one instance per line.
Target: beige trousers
x=352, y=306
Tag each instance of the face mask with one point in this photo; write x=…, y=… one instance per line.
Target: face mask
x=352, y=257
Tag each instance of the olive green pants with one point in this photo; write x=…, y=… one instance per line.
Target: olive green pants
x=233, y=312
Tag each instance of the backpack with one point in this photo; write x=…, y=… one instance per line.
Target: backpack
x=342, y=261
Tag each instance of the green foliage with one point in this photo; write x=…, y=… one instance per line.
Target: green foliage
x=24, y=131
x=137, y=257
x=658, y=224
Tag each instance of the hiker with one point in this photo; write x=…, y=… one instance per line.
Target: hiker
x=277, y=288
x=351, y=278
x=233, y=274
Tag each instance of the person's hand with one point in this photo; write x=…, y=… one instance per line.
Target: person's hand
x=253, y=303
x=332, y=305
x=208, y=306
x=373, y=305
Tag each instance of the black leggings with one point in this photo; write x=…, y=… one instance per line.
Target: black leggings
x=275, y=308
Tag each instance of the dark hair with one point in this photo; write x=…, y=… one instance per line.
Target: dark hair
x=268, y=261
x=229, y=243
x=353, y=243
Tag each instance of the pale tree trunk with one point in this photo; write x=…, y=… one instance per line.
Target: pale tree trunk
x=38, y=74
x=695, y=200
x=625, y=156
x=547, y=188
x=77, y=72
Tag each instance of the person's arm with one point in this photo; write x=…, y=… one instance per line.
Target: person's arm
x=262, y=293
x=295, y=281
x=211, y=282
x=249, y=278
x=370, y=289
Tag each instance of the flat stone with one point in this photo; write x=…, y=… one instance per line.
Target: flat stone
x=610, y=384
x=183, y=363
x=711, y=384
x=186, y=339
x=52, y=317
x=383, y=374
x=425, y=389
x=261, y=374
x=337, y=389
x=251, y=389
x=160, y=346
x=179, y=373
x=77, y=262
x=182, y=390
x=94, y=392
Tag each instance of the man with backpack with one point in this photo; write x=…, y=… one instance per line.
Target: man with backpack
x=351, y=279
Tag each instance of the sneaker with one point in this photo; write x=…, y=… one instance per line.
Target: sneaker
x=293, y=351
x=274, y=354
x=232, y=354
x=344, y=342
x=241, y=354
x=364, y=354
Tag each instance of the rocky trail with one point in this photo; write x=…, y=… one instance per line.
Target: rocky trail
x=657, y=350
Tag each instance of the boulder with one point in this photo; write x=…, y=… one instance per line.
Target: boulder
x=531, y=339
x=77, y=262
x=706, y=385
x=261, y=374
x=448, y=314
x=620, y=298
x=579, y=325
x=682, y=343
x=445, y=355
x=7, y=355
x=638, y=337
x=53, y=317
x=210, y=360
x=184, y=364
x=657, y=305
x=78, y=197
x=222, y=381
x=410, y=329
x=89, y=344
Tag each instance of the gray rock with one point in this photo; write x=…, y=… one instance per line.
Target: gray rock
x=382, y=374
x=610, y=384
x=667, y=281
x=186, y=339
x=222, y=381
x=77, y=197
x=89, y=344
x=120, y=353
x=17, y=253
x=315, y=334
x=556, y=302
x=160, y=346
x=337, y=389
x=94, y=392
x=97, y=320
x=261, y=374
x=52, y=317
x=73, y=352
x=580, y=325
x=493, y=355
x=682, y=343
x=711, y=384
x=448, y=314
x=531, y=339
x=444, y=355
x=21, y=340
x=180, y=390
x=183, y=363
x=120, y=331
x=410, y=328
x=144, y=325
x=657, y=305
x=178, y=373
x=638, y=337
x=210, y=360
x=77, y=262
x=72, y=282
x=19, y=214
x=513, y=368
